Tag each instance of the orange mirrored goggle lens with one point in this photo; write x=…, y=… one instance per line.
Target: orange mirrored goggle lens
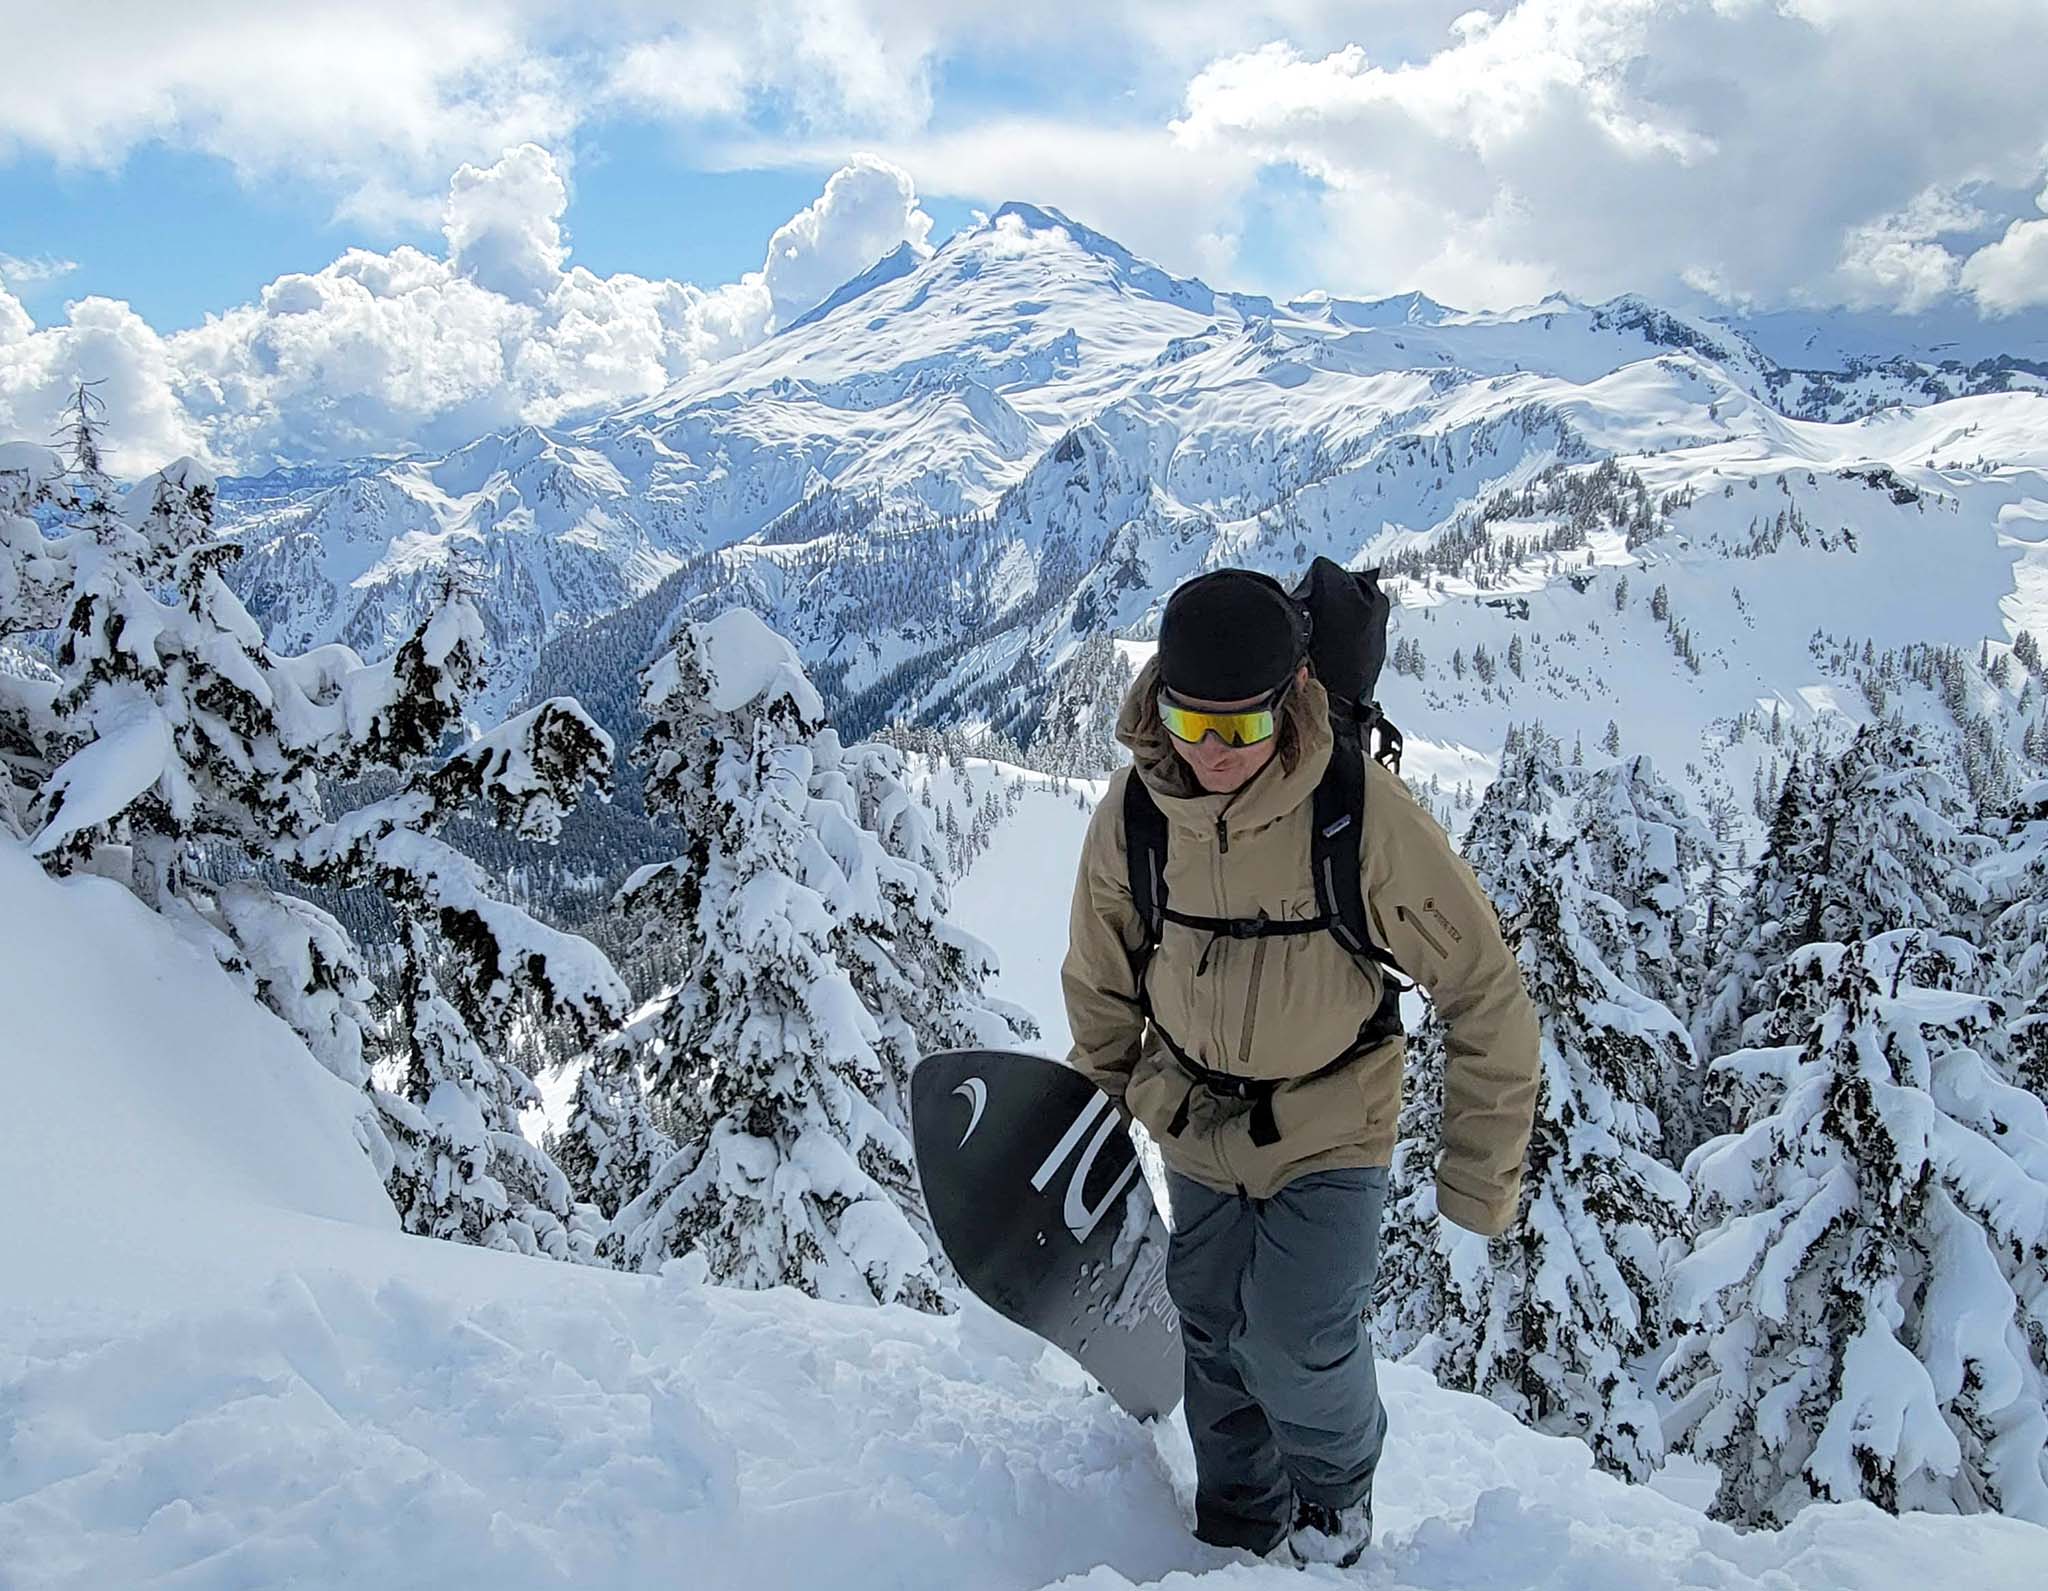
x=1233, y=729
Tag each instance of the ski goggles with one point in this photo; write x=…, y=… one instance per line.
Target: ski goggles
x=1247, y=726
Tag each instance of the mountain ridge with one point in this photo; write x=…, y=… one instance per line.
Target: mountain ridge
x=960, y=466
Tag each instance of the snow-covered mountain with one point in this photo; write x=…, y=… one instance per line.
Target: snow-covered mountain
x=954, y=470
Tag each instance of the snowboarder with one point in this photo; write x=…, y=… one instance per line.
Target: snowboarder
x=1227, y=998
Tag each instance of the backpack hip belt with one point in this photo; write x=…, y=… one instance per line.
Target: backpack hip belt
x=1383, y=1024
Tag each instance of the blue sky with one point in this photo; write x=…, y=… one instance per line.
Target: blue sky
x=222, y=158
x=177, y=233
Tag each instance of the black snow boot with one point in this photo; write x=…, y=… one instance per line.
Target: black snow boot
x=1323, y=1534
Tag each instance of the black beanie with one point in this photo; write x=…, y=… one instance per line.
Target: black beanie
x=1229, y=635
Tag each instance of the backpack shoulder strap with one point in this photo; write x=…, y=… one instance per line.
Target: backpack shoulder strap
x=1145, y=858
x=1335, y=852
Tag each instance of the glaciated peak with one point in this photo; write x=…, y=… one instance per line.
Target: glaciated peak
x=467, y=468
x=1044, y=218
x=897, y=263
x=1132, y=272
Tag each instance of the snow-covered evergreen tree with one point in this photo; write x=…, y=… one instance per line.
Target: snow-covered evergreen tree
x=919, y=976
x=1897, y=842
x=1416, y=1246
x=1076, y=736
x=1763, y=928
x=302, y=963
x=2014, y=877
x=207, y=761
x=611, y=1146
x=139, y=733
x=36, y=573
x=1865, y=1313
x=1874, y=840
x=1643, y=850
x=818, y=960
x=1548, y=1319
x=461, y=1165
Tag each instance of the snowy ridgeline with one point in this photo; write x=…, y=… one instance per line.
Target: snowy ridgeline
x=222, y=1365
x=958, y=469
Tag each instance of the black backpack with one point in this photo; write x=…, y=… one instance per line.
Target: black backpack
x=1347, y=649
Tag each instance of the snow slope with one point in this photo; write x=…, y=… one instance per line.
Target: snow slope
x=221, y=1366
x=1015, y=895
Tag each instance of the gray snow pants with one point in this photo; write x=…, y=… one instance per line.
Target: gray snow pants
x=1281, y=1396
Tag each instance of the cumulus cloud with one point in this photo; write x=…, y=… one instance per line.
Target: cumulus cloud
x=105, y=343
x=1780, y=149
x=1897, y=262
x=832, y=64
x=391, y=352
x=504, y=224
x=376, y=101
x=867, y=209
x=2011, y=274
x=688, y=75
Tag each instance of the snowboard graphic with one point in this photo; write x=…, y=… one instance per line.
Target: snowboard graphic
x=1036, y=1194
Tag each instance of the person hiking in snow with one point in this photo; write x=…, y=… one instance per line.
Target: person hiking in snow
x=1227, y=988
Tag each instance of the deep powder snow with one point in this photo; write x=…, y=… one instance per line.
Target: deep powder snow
x=222, y=1366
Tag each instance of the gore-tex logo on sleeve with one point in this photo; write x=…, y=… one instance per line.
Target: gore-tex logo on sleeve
x=1430, y=907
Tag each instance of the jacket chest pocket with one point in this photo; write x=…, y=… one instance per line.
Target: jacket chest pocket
x=1253, y=982
x=1318, y=999
x=1275, y=957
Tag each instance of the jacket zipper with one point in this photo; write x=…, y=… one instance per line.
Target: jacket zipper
x=1428, y=938
x=1221, y=1053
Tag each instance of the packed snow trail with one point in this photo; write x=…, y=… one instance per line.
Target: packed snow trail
x=222, y=1366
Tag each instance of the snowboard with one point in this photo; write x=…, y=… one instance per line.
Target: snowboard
x=1034, y=1189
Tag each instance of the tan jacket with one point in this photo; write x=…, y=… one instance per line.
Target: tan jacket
x=1285, y=1006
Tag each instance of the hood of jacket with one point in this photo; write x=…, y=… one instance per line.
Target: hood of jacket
x=1288, y=779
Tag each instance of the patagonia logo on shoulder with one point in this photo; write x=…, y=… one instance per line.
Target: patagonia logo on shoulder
x=1330, y=830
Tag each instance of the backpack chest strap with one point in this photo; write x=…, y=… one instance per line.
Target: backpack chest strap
x=1260, y=927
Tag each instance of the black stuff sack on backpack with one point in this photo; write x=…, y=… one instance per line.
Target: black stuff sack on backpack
x=1348, y=648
